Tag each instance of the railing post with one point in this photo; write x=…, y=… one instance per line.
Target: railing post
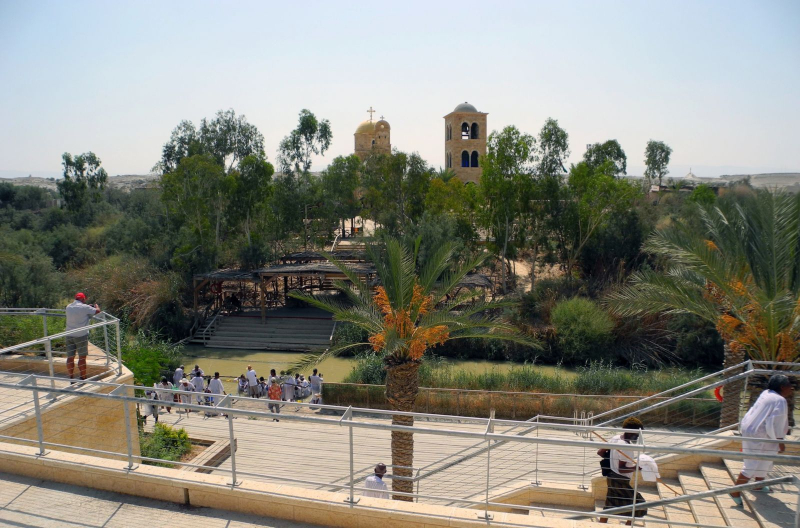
x=348, y=415
x=636, y=477
x=536, y=481
x=38, y=412
x=122, y=390
x=489, y=429
x=119, y=351
x=49, y=351
x=232, y=441
x=105, y=334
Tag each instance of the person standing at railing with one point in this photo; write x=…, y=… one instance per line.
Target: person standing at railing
x=79, y=314
x=274, y=394
x=316, y=387
x=186, y=387
x=767, y=419
x=620, y=492
x=252, y=382
x=375, y=485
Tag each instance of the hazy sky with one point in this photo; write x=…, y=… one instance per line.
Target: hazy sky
x=718, y=81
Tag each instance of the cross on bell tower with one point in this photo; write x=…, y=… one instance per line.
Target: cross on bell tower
x=370, y=112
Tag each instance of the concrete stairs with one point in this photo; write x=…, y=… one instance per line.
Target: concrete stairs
x=761, y=510
x=284, y=329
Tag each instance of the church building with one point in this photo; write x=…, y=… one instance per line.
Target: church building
x=373, y=137
x=465, y=142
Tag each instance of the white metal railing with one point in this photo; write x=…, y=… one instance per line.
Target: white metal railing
x=100, y=322
x=568, y=440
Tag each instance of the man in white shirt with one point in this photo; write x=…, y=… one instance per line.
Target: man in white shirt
x=215, y=386
x=198, y=371
x=79, y=314
x=768, y=418
x=620, y=493
x=375, y=485
x=252, y=382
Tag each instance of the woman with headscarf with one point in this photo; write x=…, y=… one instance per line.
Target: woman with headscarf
x=620, y=492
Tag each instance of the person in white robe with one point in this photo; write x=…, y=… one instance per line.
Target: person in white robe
x=188, y=387
x=216, y=388
x=767, y=419
x=178, y=376
x=198, y=382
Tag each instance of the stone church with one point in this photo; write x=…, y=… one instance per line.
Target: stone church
x=464, y=140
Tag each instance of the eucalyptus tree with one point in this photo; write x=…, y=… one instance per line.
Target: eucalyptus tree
x=599, y=153
x=409, y=313
x=740, y=273
x=84, y=179
x=656, y=159
x=506, y=187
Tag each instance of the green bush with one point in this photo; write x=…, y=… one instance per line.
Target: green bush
x=583, y=329
x=164, y=443
x=148, y=358
x=15, y=329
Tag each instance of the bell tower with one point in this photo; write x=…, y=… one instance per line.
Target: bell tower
x=465, y=142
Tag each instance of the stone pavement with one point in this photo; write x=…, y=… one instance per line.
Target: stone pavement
x=27, y=502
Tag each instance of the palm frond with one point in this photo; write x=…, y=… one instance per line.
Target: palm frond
x=311, y=359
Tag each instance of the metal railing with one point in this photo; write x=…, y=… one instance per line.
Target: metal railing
x=98, y=336
x=211, y=327
x=335, y=447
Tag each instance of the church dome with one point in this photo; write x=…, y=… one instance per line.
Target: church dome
x=466, y=107
x=382, y=125
x=367, y=127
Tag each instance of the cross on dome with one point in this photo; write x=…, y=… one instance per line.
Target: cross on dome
x=370, y=112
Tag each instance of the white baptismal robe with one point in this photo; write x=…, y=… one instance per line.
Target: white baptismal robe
x=767, y=419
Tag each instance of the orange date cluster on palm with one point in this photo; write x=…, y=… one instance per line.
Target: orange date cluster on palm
x=404, y=321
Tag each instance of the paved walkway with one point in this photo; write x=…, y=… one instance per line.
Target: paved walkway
x=27, y=502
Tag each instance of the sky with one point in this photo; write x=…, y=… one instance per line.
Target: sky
x=717, y=81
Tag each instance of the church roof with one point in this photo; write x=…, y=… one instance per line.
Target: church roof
x=382, y=124
x=466, y=107
x=367, y=127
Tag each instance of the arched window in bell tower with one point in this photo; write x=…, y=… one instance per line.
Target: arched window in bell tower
x=473, y=133
x=465, y=159
x=474, y=161
x=464, y=131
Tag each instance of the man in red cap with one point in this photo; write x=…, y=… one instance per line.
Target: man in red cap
x=79, y=314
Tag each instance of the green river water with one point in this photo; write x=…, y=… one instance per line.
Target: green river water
x=233, y=362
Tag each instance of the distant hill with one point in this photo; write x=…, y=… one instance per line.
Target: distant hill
x=126, y=182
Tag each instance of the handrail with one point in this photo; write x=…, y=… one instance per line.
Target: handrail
x=335, y=241
x=663, y=393
x=212, y=324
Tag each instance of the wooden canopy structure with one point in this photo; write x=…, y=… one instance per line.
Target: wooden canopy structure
x=268, y=287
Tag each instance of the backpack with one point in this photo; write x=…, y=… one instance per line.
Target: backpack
x=605, y=464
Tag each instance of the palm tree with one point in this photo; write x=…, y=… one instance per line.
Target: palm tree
x=743, y=276
x=407, y=314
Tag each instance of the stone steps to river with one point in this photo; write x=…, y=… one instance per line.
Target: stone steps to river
x=284, y=329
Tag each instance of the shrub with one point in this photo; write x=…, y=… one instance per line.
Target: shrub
x=583, y=329
x=536, y=305
x=164, y=443
x=148, y=358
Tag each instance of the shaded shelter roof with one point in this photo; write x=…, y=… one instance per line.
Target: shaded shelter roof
x=314, y=268
x=346, y=255
x=227, y=275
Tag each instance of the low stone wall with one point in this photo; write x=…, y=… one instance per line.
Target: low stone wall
x=253, y=497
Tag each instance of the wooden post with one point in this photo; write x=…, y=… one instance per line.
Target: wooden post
x=261, y=292
x=194, y=286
